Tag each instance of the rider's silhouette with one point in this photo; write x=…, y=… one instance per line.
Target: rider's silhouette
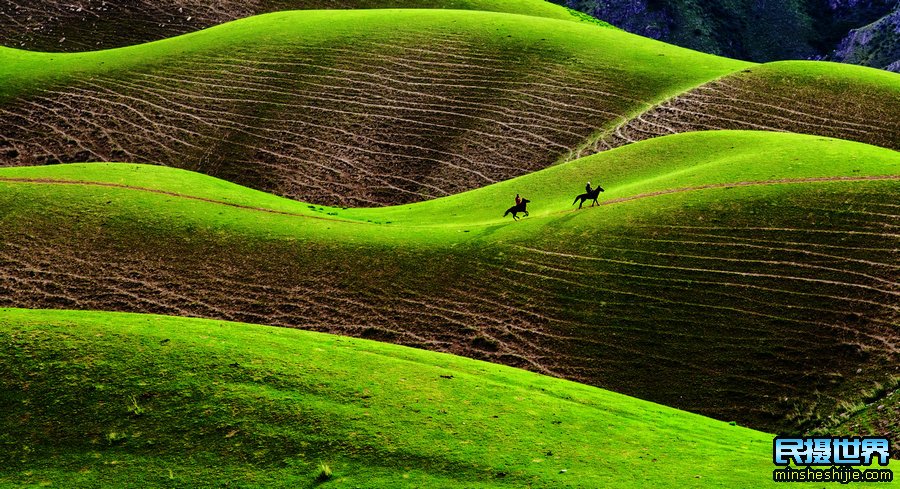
x=518, y=199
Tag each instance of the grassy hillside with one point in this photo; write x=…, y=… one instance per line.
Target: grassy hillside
x=344, y=107
x=48, y=25
x=197, y=402
x=826, y=99
x=699, y=283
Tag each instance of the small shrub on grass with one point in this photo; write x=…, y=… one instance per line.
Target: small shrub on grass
x=114, y=437
x=324, y=473
x=134, y=408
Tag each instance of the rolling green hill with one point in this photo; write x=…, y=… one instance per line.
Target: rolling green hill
x=347, y=172
x=101, y=399
x=710, y=277
x=48, y=25
x=347, y=108
x=344, y=107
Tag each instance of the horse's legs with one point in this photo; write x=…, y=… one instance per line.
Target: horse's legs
x=581, y=203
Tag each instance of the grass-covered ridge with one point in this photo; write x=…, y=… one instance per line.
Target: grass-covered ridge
x=682, y=163
x=92, y=399
x=708, y=250
x=344, y=107
x=688, y=162
x=46, y=25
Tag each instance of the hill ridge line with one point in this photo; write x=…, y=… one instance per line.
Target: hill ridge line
x=620, y=200
x=53, y=181
x=750, y=183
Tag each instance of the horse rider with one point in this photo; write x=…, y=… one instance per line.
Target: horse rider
x=518, y=199
x=587, y=188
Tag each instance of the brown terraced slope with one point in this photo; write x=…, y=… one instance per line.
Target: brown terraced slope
x=366, y=110
x=64, y=26
x=824, y=99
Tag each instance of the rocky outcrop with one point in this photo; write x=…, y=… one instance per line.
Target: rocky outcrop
x=876, y=45
x=643, y=17
x=762, y=31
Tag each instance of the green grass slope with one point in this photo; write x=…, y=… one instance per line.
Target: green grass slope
x=344, y=107
x=103, y=399
x=749, y=286
x=47, y=25
x=825, y=99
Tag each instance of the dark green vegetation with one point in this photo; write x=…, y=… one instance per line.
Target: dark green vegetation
x=363, y=112
x=755, y=30
x=100, y=399
x=770, y=303
x=54, y=26
x=876, y=412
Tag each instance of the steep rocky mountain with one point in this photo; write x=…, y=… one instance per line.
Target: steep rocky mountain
x=758, y=30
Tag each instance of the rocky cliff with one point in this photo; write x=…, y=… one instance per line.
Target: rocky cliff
x=855, y=31
x=876, y=44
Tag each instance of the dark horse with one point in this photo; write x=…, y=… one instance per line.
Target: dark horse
x=517, y=209
x=589, y=196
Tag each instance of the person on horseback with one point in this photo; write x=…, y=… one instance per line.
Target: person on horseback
x=520, y=207
x=590, y=194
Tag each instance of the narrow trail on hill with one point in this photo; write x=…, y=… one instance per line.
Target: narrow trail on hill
x=51, y=181
x=620, y=200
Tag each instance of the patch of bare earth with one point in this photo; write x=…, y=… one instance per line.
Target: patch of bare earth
x=362, y=124
x=769, y=313
x=746, y=101
x=86, y=25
